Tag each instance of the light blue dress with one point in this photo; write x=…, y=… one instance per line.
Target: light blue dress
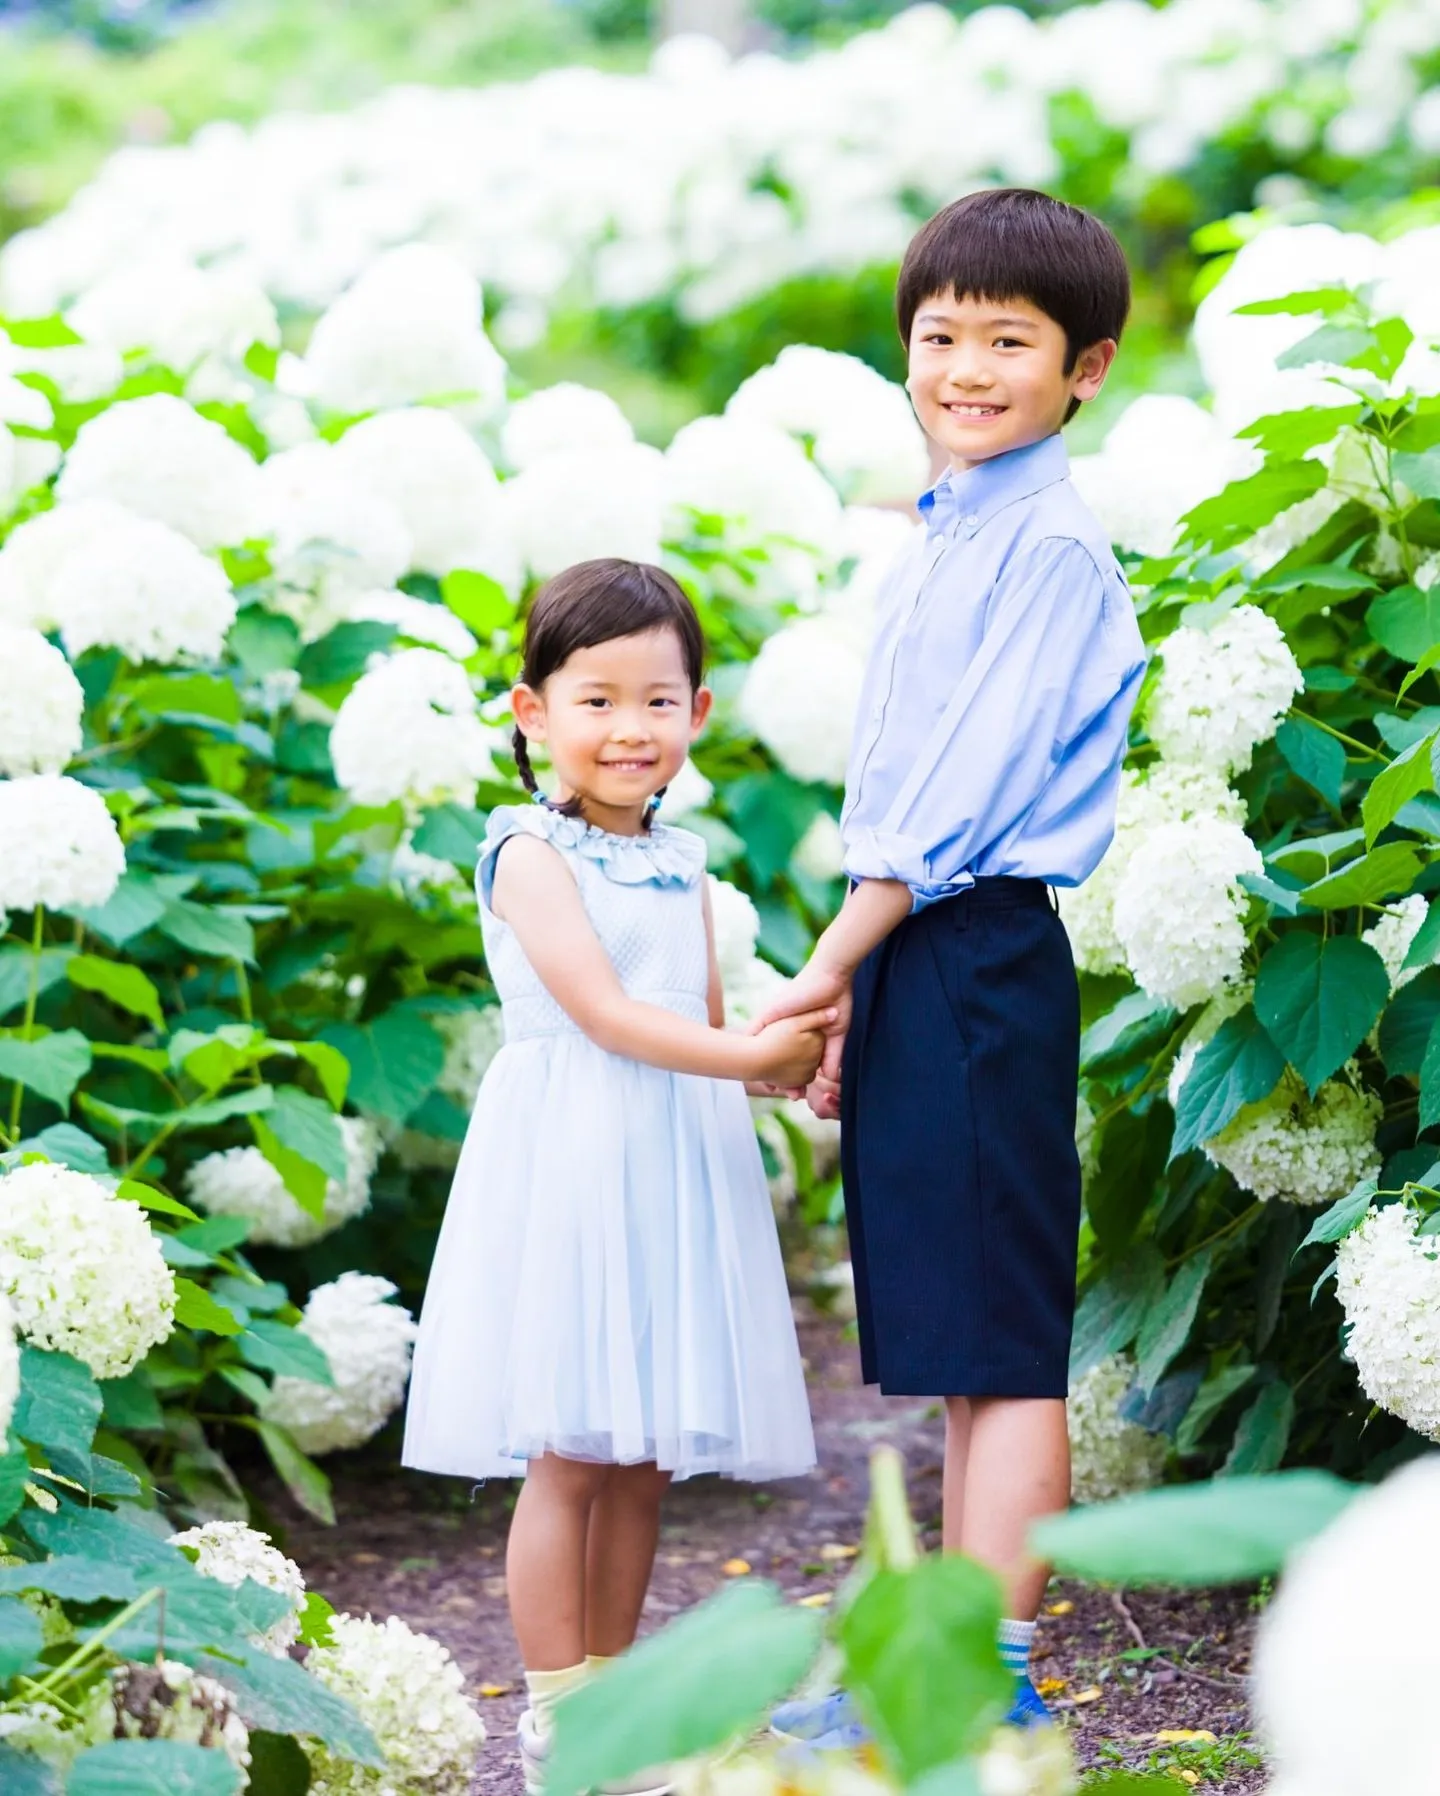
x=607, y=1283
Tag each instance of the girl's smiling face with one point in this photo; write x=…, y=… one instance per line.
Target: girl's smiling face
x=618, y=720
x=987, y=376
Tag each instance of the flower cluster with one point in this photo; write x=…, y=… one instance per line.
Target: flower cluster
x=1222, y=691
x=171, y=1701
x=410, y=1693
x=240, y=1181
x=1394, y=935
x=1110, y=1457
x=409, y=729
x=83, y=1270
x=9, y=1365
x=1387, y=1277
x=1298, y=1149
x=800, y=696
x=1180, y=908
x=41, y=703
x=473, y=1037
x=230, y=1553
x=367, y=1342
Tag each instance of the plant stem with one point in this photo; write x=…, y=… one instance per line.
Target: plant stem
x=32, y=993
x=1235, y=1224
x=890, y=1519
x=65, y=1672
x=1360, y=748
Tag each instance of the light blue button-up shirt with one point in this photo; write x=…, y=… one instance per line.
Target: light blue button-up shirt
x=997, y=699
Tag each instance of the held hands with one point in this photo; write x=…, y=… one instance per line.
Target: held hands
x=788, y=1051
x=823, y=1097
x=817, y=986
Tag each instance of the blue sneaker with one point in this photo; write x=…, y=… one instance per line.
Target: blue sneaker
x=1028, y=1709
x=826, y=1723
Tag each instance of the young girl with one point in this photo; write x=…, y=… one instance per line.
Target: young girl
x=607, y=1308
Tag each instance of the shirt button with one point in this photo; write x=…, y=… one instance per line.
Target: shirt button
x=972, y=522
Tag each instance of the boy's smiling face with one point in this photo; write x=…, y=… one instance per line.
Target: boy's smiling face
x=987, y=376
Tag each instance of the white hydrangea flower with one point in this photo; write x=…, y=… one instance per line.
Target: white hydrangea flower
x=1222, y=691
x=1166, y=793
x=231, y=1552
x=1338, y=1716
x=872, y=542
x=688, y=791
x=755, y=477
x=141, y=587
x=570, y=507
x=837, y=1289
x=1109, y=1456
x=58, y=845
x=436, y=626
x=159, y=457
x=1087, y=1142
x=820, y=852
x=31, y=462
x=180, y=313
x=368, y=1344
x=1387, y=1278
x=783, y=1181
x=473, y=1037
x=1180, y=909
x=428, y=467
x=1300, y=1150
x=83, y=1270
x=240, y=1181
x=41, y=704
x=1393, y=936
x=737, y=927
x=36, y=550
x=409, y=729
x=564, y=419
x=58, y=1736
x=1026, y=1761
x=751, y=990
x=860, y=426
x=9, y=1364
x=800, y=696
x=410, y=1693
x=407, y=331
x=327, y=532
x=171, y=1701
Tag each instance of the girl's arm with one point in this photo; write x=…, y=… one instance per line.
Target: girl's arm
x=715, y=987
x=535, y=893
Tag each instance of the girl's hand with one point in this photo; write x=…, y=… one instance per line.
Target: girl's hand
x=787, y=1052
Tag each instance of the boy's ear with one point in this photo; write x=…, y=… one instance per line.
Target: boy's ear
x=528, y=709
x=1091, y=367
x=700, y=710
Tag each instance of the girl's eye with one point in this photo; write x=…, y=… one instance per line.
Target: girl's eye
x=599, y=703
x=1008, y=343
x=940, y=342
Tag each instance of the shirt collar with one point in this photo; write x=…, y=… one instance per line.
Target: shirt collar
x=966, y=501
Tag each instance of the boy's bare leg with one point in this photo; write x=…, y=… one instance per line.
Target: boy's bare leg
x=1007, y=1463
x=620, y=1555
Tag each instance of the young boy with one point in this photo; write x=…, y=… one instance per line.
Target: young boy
x=984, y=768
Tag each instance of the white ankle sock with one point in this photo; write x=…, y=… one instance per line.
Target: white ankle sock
x=547, y=1688
x=1015, y=1642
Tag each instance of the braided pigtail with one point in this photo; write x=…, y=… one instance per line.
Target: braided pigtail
x=520, y=748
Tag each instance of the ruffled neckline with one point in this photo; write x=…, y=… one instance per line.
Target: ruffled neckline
x=664, y=855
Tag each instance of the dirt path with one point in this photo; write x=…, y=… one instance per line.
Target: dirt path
x=420, y=1548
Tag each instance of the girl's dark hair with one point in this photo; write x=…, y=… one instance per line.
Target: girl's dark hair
x=594, y=602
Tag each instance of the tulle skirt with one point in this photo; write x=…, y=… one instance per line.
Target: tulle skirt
x=607, y=1283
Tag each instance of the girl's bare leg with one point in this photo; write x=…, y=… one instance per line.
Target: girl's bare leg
x=545, y=1560
x=620, y=1555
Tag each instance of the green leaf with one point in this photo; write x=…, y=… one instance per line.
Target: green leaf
x=153, y=1768
x=1209, y=1400
x=771, y=812
x=52, y=1065
x=60, y=1402
x=1133, y=1154
x=72, y=1578
x=1239, y=1065
x=1407, y=1023
x=124, y=985
x=278, y=1765
x=1312, y=754
x=330, y=1066
x=1319, y=1000
x=343, y=653
x=310, y=1128
x=302, y=1477
x=21, y=1774
x=1325, y=300
x=1340, y=343
x=206, y=929
x=216, y=1234
x=451, y=832
x=395, y=1061
x=1430, y=1083
x=710, y=1674
x=1391, y=790
x=1111, y=1311
x=14, y=1475
x=131, y=1403
x=133, y=1191
x=1134, y=1029
x=1420, y=472
x=1426, y=945
x=212, y=1058
x=194, y=1116
x=132, y=908
x=1405, y=622
x=921, y=1661
x=1225, y=1532
x=1345, y=1214
x=21, y=1641
x=18, y=966
x=1390, y=869
x=316, y=1619
x=277, y=1694
x=482, y=604
x=40, y=333
x=1167, y=1325
x=1423, y=666
x=196, y=1308
x=276, y=1347
x=67, y=1145
x=263, y=641
x=302, y=1178
x=191, y=694
x=1245, y=505
x=1263, y=1432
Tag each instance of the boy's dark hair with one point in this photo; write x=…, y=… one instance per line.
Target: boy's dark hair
x=594, y=602
x=1014, y=243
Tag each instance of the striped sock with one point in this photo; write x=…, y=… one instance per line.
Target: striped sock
x=1015, y=1641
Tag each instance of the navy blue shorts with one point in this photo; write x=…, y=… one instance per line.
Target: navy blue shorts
x=962, y=1182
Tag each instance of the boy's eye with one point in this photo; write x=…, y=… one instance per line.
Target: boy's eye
x=662, y=701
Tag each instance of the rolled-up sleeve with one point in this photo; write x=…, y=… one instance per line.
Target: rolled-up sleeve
x=1043, y=670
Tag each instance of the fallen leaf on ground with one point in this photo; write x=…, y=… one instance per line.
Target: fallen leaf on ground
x=818, y=1601
x=1093, y=1694
x=833, y=1549
x=1186, y=1777
x=365, y=1559
x=1065, y=1608
x=496, y=1689
x=1051, y=1686
x=1181, y=1736
x=735, y=1568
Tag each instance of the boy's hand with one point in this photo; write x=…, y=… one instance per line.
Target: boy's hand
x=823, y=1096
x=817, y=987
